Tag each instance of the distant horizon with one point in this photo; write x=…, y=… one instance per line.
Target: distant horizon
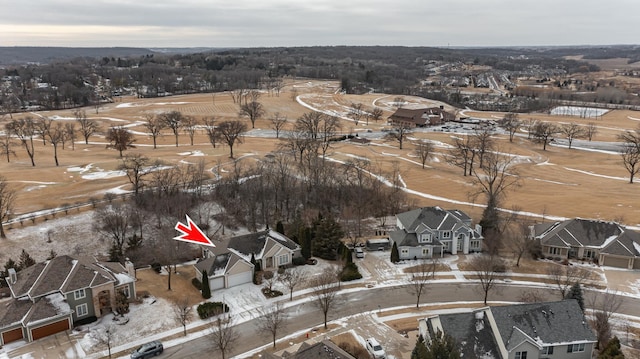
x=291, y=23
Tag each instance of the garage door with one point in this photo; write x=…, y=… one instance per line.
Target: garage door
x=216, y=283
x=12, y=335
x=50, y=329
x=240, y=278
x=616, y=262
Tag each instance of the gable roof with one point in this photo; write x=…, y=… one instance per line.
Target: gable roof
x=431, y=218
x=578, y=232
x=64, y=274
x=255, y=243
x=25, y=312
x=542, y=323
x=421, y=116
x=322, y=350
x=472, y=332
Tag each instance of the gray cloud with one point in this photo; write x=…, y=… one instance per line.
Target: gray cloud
x=246, y=23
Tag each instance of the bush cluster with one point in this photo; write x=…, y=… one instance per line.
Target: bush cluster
x=350, y=272
x=209, y=309
x=196, y=283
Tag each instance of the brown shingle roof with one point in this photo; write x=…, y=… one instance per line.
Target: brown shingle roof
x=26, y=279
x=53, y=276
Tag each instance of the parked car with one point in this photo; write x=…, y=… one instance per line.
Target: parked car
x=359, y=252
x=148, y=350
x=375, y=349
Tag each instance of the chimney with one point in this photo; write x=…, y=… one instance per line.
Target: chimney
x=13, y=276
x=131, y=270
x=479, y=229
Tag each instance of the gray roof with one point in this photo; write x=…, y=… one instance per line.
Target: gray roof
x=578, y=232
x=254, y=243
x=627, y=244
x=547, y=323
x=16, y=312
x=323, y=350
x=213, y=264
x=433, y=218
x=472, y=332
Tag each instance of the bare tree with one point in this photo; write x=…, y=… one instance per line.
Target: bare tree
x=120, y=139
x=6, y=146
x=564, y=276
x=325, y=290
x=106, y=336
x=231, y=133
x=518, y=241
x=590, y=131
x=572, y=131
x=174, y=121
x=375, y=115
x=112, y=223
x=530, y=125
x=543, y=132
x=399, y=133
x=603, y=306
x=42, y=126
x=271, y=319
x=223, y=334
x=183, y=311
x=511, y=123
x=210, y=128
x=356, y=112
x=277, y=123
x=25, y=130
x=291, y=278
x=482, y=143
x=254, y=110
x=237, y=95
x=531, y=296
x=154, y=125
x=7, y=199
x=630, y=152
x=423, y=150
x=57, y=135
x=420, y=279
x=87, y=126
x=135, y=166
x=462, y=154
x=399, y=102
x=487, y=269
x=190, y=125
x=70, y=134
x=493, y=180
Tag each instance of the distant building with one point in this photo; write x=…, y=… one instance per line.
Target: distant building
x=422, y=117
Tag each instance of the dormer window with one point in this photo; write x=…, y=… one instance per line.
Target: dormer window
x=424, y=238
x=446, y=234
x=79, y=294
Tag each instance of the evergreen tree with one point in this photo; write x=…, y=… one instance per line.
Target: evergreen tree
x=576, y=293
x=395, y=255
x=612, y=350
x=327, y=233
x=52, y=254
x=347, y=255
x=280, y=227
x=441, y=346
x=122, y=303
x=306, y=243
x=206, y=290
x=26, y=260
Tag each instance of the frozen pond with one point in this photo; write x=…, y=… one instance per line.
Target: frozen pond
x=583, y=112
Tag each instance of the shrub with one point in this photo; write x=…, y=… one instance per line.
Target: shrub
x=271, y=293
x=196, y=283
x=298, y=261
x=209, y=309
x=267, y=274
x=156, y=267
x=350, y=272
x=257, y=278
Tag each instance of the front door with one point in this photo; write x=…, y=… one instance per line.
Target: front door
x=104, y=298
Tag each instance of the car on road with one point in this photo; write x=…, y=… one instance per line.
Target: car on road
x=359, y=252
x=375, y=349
x=148, y=350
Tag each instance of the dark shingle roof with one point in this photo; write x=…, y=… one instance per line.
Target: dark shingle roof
x=13, y=311
x=551, y=322
x=627, y=244
x=578, y=232
x=323, y=350
x=54, y=275
x=255, y=242
x=434, y=218
x=26, y=279
x=472, y=332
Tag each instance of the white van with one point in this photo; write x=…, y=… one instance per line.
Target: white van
x=359, y=252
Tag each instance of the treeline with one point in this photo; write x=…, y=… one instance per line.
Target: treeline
x=90, y=81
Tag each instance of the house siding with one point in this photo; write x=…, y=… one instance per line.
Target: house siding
x=88, y=300
x=532, y=351
x=560, y=352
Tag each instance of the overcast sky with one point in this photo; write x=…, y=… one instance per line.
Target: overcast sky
x=250, y=23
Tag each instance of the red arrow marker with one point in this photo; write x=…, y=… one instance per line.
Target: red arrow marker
x=192, y=234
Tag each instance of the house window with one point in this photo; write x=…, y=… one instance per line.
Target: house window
x=81, y=310
x=575, y=348
x=521, y=355
x=547, y=351
x=426, y=251
x=554, y=250
x=589, y=253
x=125, y=290
x=474, y=244
x=459, y=245
x=446, y=234
x=404, y=251
x=283, y=259
x=424, y=238
x=79, y=294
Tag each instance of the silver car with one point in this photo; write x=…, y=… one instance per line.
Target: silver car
x=148, y=350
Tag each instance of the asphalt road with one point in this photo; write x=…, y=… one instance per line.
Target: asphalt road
x=307, y=315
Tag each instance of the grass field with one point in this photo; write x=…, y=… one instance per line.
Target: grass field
x=557, y=182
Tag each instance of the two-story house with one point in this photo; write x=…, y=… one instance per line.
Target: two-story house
x=229, y=263
x=52, y=296
x=431, y=231
x=521, y=331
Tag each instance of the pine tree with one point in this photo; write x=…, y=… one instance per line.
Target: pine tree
x=122, y=303
x=395, y=255
x=442, y=346
x=327, y=233
x=26, y=260
x=206, y=290
x=612, y=350
x=280, y=227
x=576, y=293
